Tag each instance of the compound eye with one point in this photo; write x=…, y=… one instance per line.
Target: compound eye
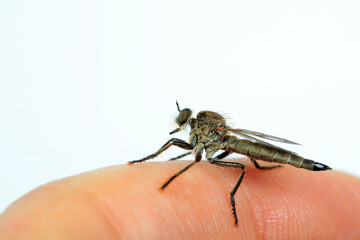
x=183, y=117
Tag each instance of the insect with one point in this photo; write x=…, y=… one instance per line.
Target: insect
x=210, y=133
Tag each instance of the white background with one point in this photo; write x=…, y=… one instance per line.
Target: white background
x=88, y=84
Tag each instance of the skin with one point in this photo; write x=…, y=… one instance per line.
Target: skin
x=124, y=202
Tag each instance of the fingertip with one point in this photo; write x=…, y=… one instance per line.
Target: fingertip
x=126, y=201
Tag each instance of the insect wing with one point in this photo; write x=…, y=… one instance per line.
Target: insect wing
x=262, y=135
x=246, y=134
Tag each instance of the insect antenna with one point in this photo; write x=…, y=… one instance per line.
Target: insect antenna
x=177, y=104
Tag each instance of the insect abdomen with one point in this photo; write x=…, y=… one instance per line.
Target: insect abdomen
x=271, y=154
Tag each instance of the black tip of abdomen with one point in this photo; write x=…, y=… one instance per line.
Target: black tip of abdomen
x=320, y=167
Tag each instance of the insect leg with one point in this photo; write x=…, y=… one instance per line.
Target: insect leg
x=232, y=196
x=226, y=164
x=223, y=155
x=180, y=156
x=197, y=159
x=263, y=167
x=174, y=141
x=232, y=193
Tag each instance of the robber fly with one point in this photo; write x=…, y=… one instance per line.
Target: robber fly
x=210, y=133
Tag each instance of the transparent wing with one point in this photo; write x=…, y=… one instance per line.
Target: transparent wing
x=259, y=134
x=247, y=134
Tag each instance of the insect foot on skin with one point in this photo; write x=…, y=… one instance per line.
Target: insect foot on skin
x=210, y=133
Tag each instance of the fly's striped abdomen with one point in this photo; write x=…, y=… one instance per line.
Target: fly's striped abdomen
x=268, y=153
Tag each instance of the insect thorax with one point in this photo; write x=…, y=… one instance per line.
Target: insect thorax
x=204, y=128
x=211, y=118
